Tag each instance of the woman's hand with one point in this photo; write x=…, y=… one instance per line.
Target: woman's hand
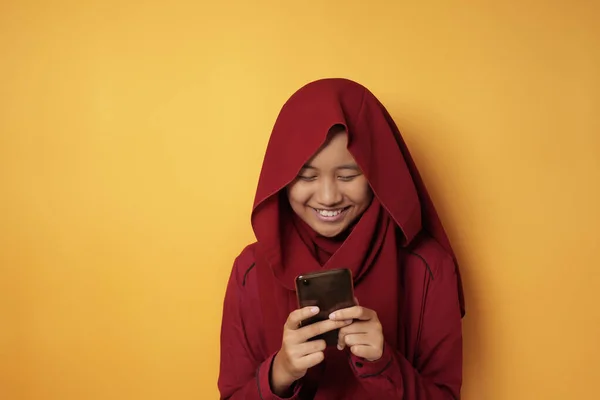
x=297, y=354
x=364, y=336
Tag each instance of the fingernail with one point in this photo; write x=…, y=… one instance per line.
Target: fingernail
x=332, y=316
x=314, y=310
x=348, y=321
x=340, y=347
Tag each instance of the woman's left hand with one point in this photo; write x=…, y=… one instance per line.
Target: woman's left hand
x=364, y=336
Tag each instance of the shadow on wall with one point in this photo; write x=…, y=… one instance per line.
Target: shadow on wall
x=440, y=179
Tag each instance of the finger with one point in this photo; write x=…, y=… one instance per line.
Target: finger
x=363, y=351
x=319, y=328
x=356, y=327
x=353, y=328
x=356, y=312
x=355, y=339
x=309, y=361
x=296, y=317
x=341, y=344
x=356, y=301
x=311, y=347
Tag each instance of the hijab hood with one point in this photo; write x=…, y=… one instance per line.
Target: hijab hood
x=401, y=206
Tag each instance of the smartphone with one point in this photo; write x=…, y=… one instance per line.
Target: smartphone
x=330, y=290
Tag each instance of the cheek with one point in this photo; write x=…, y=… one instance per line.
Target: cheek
x=298, y=194
x=361, y=194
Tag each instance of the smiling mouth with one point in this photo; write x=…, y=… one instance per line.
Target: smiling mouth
x=331, y=213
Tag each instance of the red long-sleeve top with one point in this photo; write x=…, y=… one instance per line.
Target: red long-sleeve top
x=428, y=364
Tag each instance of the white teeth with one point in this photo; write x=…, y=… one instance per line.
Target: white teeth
x=327, y=213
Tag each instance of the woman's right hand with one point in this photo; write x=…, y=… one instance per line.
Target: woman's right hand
x=297, y=353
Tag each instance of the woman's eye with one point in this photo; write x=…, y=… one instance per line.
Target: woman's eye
x=307, y=178
x=347, y=178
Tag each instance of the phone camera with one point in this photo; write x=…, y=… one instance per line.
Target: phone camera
x=305, y=282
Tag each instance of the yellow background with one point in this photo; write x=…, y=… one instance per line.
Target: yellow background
x=131, y=137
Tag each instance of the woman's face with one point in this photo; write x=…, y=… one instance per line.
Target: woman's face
x=330, y=192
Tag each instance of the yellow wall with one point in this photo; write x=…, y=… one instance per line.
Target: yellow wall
x=131, y=138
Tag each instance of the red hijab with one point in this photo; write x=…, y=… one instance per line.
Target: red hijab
x=401, y=208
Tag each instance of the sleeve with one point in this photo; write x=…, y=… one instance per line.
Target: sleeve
x=242, y=375
x=437, y=374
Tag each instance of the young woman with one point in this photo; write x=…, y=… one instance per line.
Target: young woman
x=338, y=189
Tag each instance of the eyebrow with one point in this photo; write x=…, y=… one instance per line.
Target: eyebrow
x=353, y=167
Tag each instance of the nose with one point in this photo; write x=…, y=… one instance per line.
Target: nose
x=328, y=193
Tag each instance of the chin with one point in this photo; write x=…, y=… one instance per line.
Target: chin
x=329, y=232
